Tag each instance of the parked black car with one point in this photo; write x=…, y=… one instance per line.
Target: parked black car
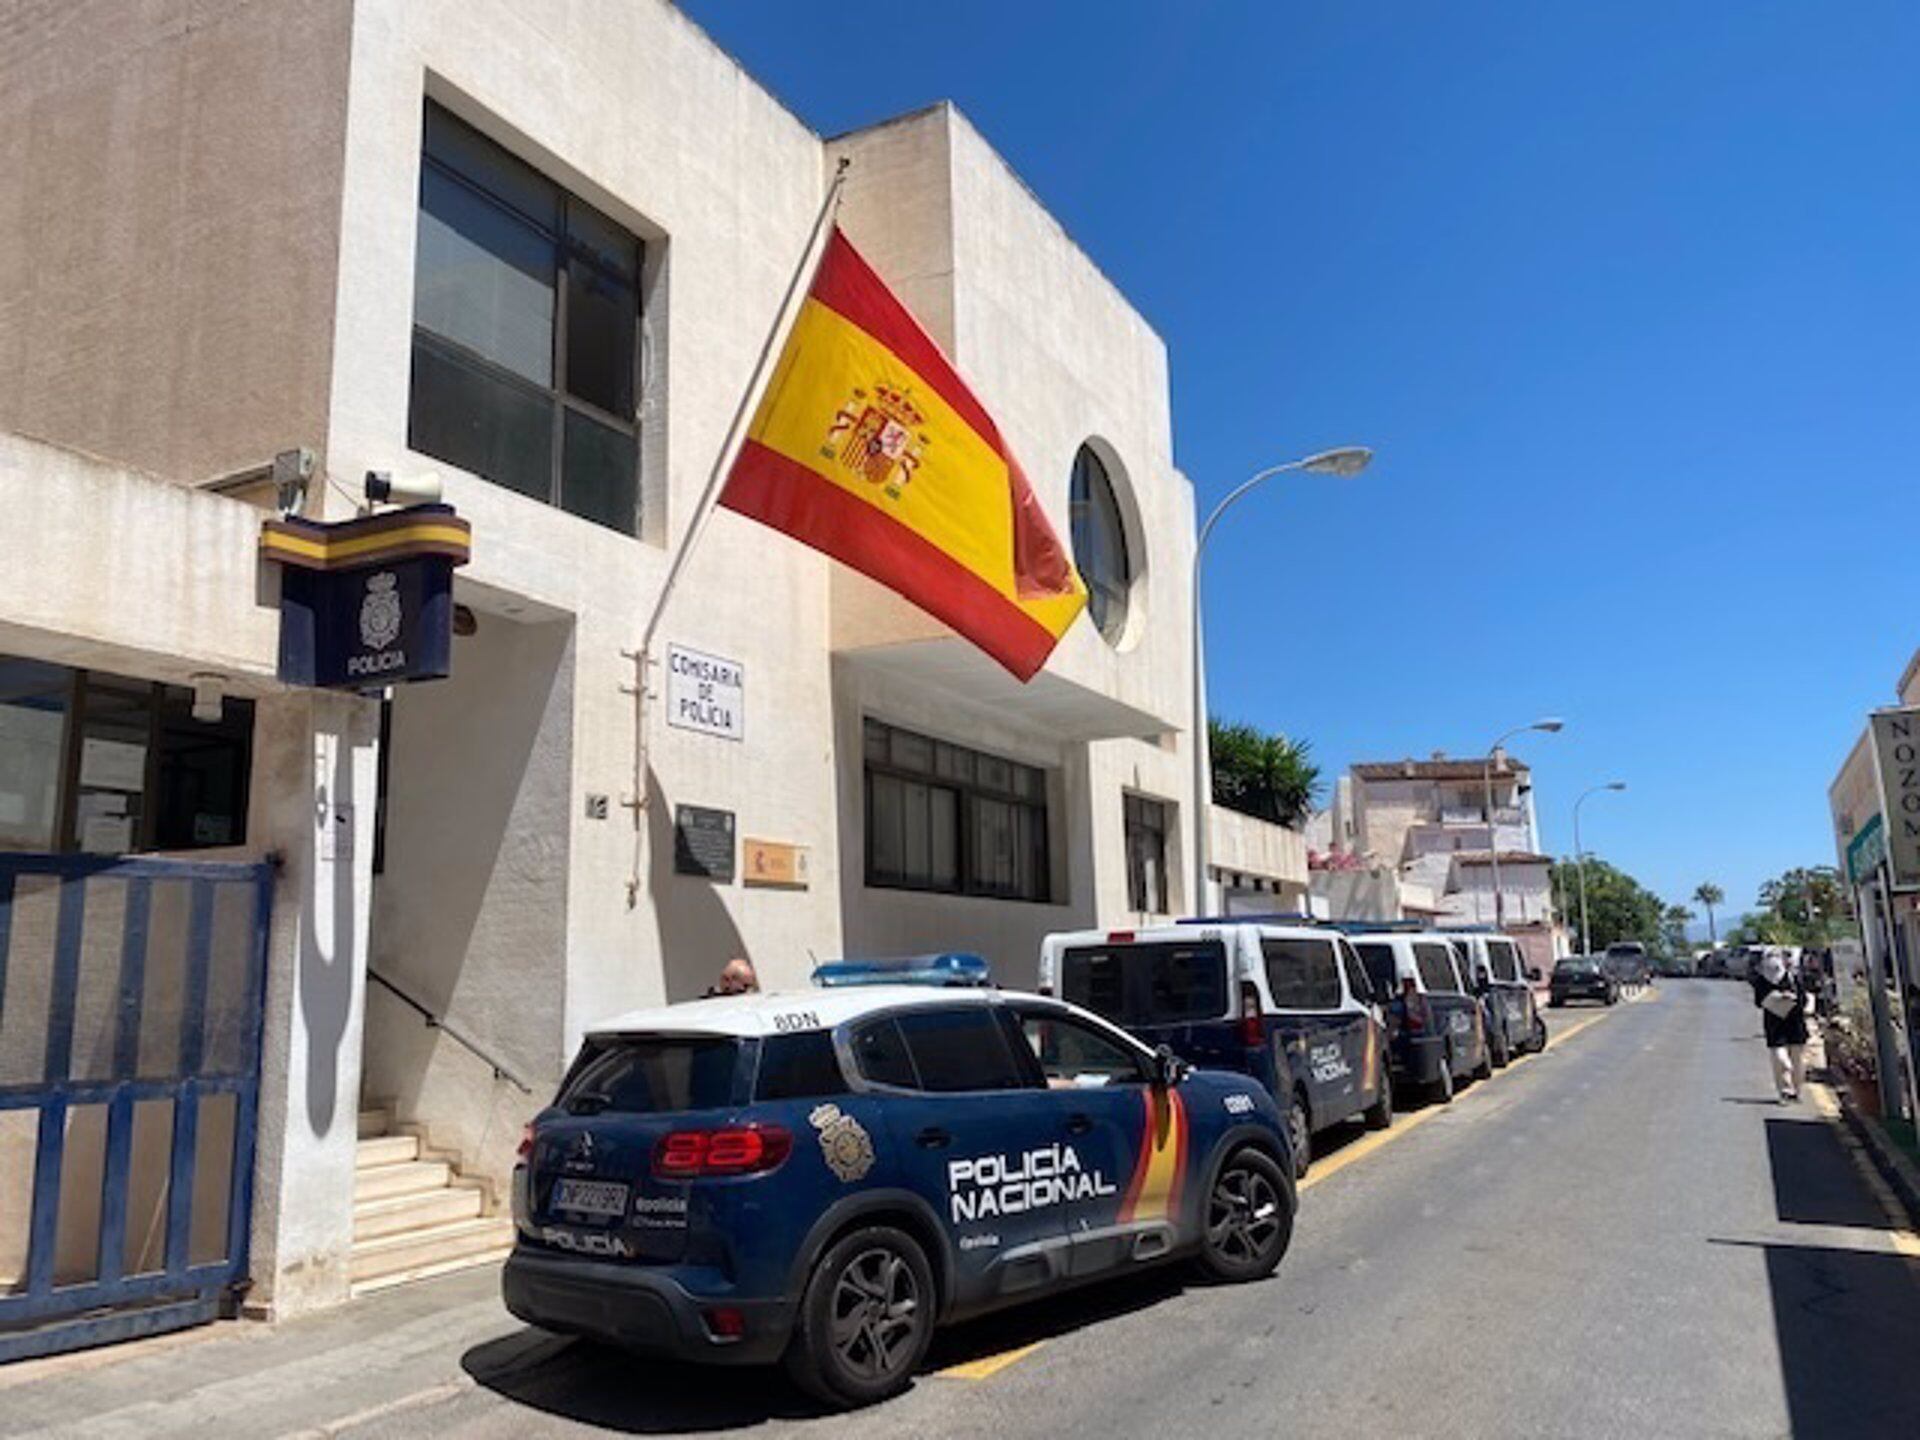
x=1582, y=977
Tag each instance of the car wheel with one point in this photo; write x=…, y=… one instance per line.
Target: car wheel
x=1300, y=1135
x=1484, y=1071
x=1443, y=1087
x=1379, y=1115
x=1537, y=1037
x=1497, y=1047
x=865, y=1318
x=1249, y=1219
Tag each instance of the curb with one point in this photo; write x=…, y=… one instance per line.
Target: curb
x=1894, y=1168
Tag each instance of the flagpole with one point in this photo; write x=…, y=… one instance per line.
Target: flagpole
x=642, y=658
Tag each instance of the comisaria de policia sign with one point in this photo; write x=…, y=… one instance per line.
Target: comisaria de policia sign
x=368, y=602
x=1896, y=752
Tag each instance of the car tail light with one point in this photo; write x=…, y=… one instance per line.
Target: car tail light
x=725, y=1323
x=1419, y=1015
x=733, y=1150
x=1120, y=937
x=1252, y=1034
x=525, y=1152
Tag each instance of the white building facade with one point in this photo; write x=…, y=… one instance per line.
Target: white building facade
x=535, y=251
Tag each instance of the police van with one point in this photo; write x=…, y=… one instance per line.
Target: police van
x=1286, y=1002
x=1496, y=970
x=823, y=1177
x=1436, y=1030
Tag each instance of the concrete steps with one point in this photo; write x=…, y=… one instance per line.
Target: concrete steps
x=413, y=1217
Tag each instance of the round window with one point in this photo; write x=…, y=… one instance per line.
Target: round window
x=1100, y=545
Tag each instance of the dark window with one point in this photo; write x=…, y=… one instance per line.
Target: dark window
x=525, y=336
x=1072, y=1053
x=881, y=1055
x=1146, y=841
x=944, y=818
x=1435, y=966
x=1099, y=544
x=1301, y=974
x=1357, y=983
x=962, y=1048
x=799, y=1067
x=1505, y=966
x=649, y=1077
x=110, y=766
x=1378, y=958
x=1151, y=984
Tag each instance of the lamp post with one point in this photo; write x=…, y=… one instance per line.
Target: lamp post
x=1345, y=462
x=1547, y=726
x=1580, y=862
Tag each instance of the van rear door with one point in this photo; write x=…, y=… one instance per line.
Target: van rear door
x=1168, y=992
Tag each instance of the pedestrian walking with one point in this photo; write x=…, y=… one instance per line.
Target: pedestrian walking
x=1781, y=995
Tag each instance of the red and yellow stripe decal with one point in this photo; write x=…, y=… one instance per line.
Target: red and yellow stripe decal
x=367, y=539
x=1154, y=1191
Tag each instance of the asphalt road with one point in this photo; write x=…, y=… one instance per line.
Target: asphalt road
x=1624, y=1236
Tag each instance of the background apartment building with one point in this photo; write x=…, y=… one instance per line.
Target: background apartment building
x=535, y=250
x=1429, y=822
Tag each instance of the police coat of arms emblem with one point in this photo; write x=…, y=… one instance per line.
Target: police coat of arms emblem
x=380, y=612
x=877, y=435
x=843, y=1141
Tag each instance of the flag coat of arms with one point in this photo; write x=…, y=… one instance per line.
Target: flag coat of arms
x=869, y=447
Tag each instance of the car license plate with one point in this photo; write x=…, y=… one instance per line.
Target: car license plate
x=590, y=1197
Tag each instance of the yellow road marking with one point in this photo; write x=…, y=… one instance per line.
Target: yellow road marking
x=988, y=1365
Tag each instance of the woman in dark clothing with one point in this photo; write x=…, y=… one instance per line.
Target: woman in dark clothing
x=1782, y=998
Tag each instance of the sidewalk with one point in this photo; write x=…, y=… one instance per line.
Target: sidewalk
x=311, y=1376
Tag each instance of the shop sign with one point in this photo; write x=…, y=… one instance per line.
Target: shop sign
x=368, y=602
x=1866, y=851
x=703, y=842
x=1896, y=753
x=706, y=693
x=772, y=862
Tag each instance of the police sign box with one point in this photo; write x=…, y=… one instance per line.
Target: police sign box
x=1896, y=754
x=368, y=602
x=706, y=693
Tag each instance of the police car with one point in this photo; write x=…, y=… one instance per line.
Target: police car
x=822, y=1177
x=1283, y=1000
x=1436, y=1031
x=1495, y=969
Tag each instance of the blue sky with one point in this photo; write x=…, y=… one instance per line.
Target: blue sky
x=1626, y=296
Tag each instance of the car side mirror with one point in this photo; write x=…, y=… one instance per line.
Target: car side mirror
x=1168, y=1068
x=1533, y=973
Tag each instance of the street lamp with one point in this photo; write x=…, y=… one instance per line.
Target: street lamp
x=1344, y=462
x=1547, y=726
x=1580, y=862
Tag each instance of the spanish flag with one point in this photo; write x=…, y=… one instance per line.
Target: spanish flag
x=869, y=447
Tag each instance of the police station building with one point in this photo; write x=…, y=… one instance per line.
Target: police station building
x=288, y=965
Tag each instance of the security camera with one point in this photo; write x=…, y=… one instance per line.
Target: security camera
x=383, y=489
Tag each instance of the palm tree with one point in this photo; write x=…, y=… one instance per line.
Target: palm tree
x=1710, y=895
x=1268, y=776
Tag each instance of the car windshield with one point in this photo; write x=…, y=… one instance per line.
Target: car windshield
x=647, y=1075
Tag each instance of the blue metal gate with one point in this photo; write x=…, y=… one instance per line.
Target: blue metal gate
x=131, y=995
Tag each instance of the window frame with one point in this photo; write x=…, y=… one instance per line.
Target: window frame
x=1266, y=967
x=1023, y=1014
x=1018, y=1057
x=1135, y=819
x=969, y=794
x=1093, y=501
x=563, y=251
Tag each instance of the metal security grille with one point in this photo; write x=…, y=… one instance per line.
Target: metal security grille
x=130, y=1008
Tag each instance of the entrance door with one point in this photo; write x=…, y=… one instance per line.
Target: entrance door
x=130, y=1009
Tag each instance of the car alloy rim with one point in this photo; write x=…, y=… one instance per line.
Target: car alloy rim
x=1297, y=1130
x=876, y=1305
x=1243, y=1219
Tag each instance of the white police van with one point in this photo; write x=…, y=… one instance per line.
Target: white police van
x=822, y=1177
x=1496, y=969
x=1286, y=1002
x=1436, y=1029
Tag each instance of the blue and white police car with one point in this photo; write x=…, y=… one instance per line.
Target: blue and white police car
x=822, y=1177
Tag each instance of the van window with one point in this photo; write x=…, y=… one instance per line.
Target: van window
x=1505, y=967
x=1435, y=967
x=1301, y=974
x=1149, y=984
x=1358, y=985
x=1378, y=958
